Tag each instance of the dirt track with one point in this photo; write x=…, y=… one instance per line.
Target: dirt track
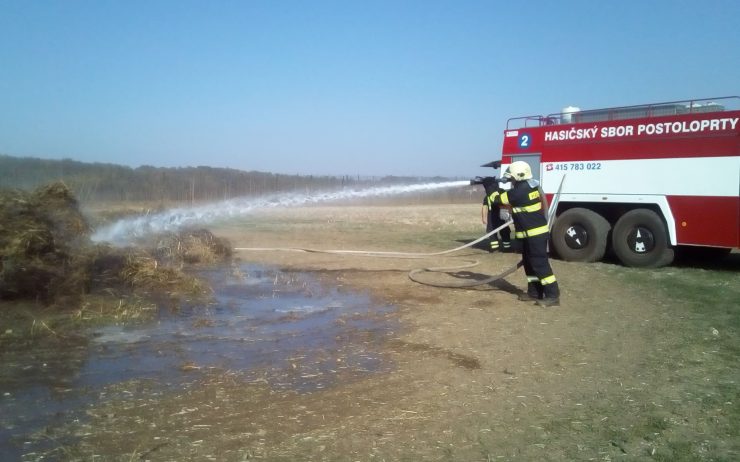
x=477, y=374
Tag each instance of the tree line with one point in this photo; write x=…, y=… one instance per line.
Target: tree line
x=103, y=182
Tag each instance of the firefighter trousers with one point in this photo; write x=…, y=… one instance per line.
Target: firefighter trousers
x=503, y=237
x=541, y=281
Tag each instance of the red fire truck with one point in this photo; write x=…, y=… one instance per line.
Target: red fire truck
x=639, y=181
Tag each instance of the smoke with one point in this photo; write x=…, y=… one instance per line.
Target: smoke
x=126, y=230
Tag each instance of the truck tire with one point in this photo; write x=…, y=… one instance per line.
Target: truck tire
x=640, y=239
x=580, y=235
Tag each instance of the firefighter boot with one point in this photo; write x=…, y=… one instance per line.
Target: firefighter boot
x=506, y=246
x=551, y=296
x=534, y=292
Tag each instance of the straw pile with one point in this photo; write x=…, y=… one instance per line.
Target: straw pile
x=196, y=246
x=44, y=244
x=46, y=253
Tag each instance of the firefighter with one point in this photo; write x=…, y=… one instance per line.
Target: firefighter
x=493, y=216
x=530, y=225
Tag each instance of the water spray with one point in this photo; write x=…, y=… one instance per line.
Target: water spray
x=126, y=230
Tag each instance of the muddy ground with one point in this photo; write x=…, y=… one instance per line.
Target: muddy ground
x=628, y=368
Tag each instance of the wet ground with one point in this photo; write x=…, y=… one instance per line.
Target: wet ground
x=285, y=329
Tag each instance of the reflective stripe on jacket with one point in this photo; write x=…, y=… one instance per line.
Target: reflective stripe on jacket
x=526, y=204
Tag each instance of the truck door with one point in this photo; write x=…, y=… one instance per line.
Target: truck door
x=534, y=163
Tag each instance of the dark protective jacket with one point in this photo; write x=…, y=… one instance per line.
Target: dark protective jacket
x=487, y=202
x=525, y=199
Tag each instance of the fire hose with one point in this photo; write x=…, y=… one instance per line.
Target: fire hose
x=413, y=274
x=550, y=218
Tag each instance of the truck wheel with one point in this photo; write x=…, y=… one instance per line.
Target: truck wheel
x=640, y=239
x=580, y=235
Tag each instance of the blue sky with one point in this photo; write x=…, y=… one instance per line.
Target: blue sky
x=419, y=88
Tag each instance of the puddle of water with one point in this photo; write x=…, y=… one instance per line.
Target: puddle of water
x=281, y=327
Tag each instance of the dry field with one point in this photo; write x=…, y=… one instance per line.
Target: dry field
x=635, y=364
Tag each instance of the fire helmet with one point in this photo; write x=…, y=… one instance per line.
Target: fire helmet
x=519, y=171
